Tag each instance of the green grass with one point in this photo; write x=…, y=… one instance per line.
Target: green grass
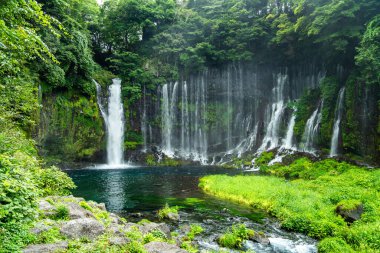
x=307, y=203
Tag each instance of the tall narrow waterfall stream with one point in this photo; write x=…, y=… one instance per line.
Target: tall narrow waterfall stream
x=114, y=122
x=337, y=120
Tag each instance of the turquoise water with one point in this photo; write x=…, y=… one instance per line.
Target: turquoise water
x=138, y=193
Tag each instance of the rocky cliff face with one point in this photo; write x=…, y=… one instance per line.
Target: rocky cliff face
x=70, y=129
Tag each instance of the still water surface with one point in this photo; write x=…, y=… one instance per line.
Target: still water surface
x=138, y=192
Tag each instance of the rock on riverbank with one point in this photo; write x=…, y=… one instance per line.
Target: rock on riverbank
x=70, y=224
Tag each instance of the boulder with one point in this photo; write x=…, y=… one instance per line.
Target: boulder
x=119, y=240
x=101, y=206
x=78, y=212
x=173, y=216
x=115, y=219
x=149, y=227
x=352, y=214
x=119, y=230
x=47, y=208
x=260, y=237
x=46, y=248
x=39, y=228
x=78, y=228
x=163, y=247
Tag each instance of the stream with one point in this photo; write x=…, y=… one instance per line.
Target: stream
x=138, y=192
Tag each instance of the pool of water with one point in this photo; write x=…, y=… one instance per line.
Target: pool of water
x=138, y=192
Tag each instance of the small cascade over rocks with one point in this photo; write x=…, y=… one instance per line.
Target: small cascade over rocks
x=114, y=122
x=287, y=142
x=311, y=130
x=272, y=136
x=337, y=120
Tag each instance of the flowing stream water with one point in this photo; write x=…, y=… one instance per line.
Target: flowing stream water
x=138, y=193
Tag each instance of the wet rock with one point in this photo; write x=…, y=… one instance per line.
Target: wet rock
x=46, y=248
x=136, y=215
x=163, y=247
x=78, y=212
x=47, y=208
x=101, y=206
x=149, y=227
x=115, y=219
x=87, y=227
x=173, y=216
x=350, y=215
x=119, y=240
x=185, y=229
x=260, y=237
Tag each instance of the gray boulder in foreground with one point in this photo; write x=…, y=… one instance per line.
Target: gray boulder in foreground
x=79, y=228
x=149, y=227
x=163, y=247
x=46, y=248
x=78, y=212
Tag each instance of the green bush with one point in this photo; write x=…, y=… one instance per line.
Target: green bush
x=195, y=230
x=164, y=212
x=52, y=181
x=151, y=160
x=61, y=213
x=235, y=237
x=334, y=245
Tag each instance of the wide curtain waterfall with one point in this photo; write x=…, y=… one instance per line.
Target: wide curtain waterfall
x=232, y=110
x=114, y=121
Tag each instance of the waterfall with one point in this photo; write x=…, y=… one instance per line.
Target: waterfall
x=272, y=138
x=100, y=102
x=229, y=110
x=337, y=120
x=114, y=121
x=185, y=138
x=166, y=122
x=311, y=130
x=115, y=140
x=144, y=129
x=288, y=141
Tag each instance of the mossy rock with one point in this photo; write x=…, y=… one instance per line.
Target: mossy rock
x=350, y=210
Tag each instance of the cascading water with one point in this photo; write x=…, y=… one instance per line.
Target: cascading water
x=288, y=141
x=114, y=121
x=272, y=136
x=337, y=120
x=311, y=130
x=166, y=122
x=144, y=129
x=228, y=111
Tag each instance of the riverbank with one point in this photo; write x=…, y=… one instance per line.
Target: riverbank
x=335, y=202
x=70, y=224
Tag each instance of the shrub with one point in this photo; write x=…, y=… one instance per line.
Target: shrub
x=234, y=238
x=151, y=160
x=164, y=212
x=62, y=213
x=195, y=230
x=53, y=181
x=135, y=247
x=334, y=245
